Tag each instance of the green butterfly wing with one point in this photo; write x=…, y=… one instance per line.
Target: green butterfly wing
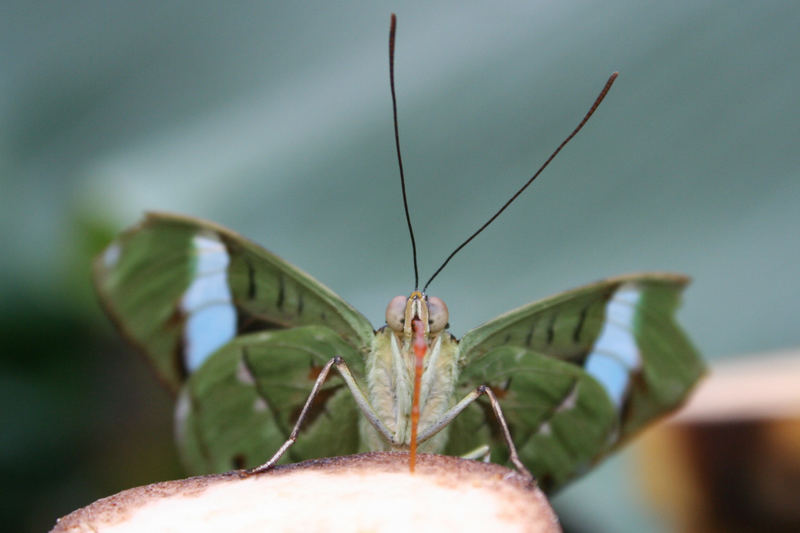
x=240, y=406
x=180, y=288
x=558, y=415
x=579, y=373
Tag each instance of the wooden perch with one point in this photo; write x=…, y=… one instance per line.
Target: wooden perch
x=367, y=492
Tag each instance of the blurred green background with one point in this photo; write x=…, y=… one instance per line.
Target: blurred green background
x=275, y=120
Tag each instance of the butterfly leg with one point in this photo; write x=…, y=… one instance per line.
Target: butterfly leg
x=359, y=397
x=481, y=452
x=454, y=411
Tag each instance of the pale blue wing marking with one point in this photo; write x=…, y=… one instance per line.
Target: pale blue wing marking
x=111, y=255
x=615, y=354
x=206, y=331
x=611, y=374
x=208, y=303
x=207, y=290
x=211, y=253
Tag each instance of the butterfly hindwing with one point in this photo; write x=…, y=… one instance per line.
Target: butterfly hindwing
x=241, y=405
x=180, y=288
x=558, y=415
x=618, y=360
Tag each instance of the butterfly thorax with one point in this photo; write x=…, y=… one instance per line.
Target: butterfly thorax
x=390, y=372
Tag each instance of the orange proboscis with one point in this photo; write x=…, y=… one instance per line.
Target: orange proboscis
x=420, y=347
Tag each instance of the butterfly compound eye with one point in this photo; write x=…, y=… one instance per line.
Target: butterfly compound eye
x=437, y=314
x=396, y=312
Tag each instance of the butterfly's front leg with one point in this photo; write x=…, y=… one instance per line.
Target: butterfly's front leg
x=454, y=411
x=359, y=397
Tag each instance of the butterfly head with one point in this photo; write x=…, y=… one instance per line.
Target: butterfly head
x=403, y=310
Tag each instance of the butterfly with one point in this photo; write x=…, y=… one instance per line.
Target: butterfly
x=248, y=342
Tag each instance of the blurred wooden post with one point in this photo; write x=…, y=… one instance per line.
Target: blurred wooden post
x=730, y=460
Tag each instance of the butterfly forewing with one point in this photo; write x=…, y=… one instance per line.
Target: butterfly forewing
x=181, y=288
x=618, y=360
x=670, y=364
x=245, y=400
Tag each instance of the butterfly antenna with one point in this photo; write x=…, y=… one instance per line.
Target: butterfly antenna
x=392, y=28
x=586, y=117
